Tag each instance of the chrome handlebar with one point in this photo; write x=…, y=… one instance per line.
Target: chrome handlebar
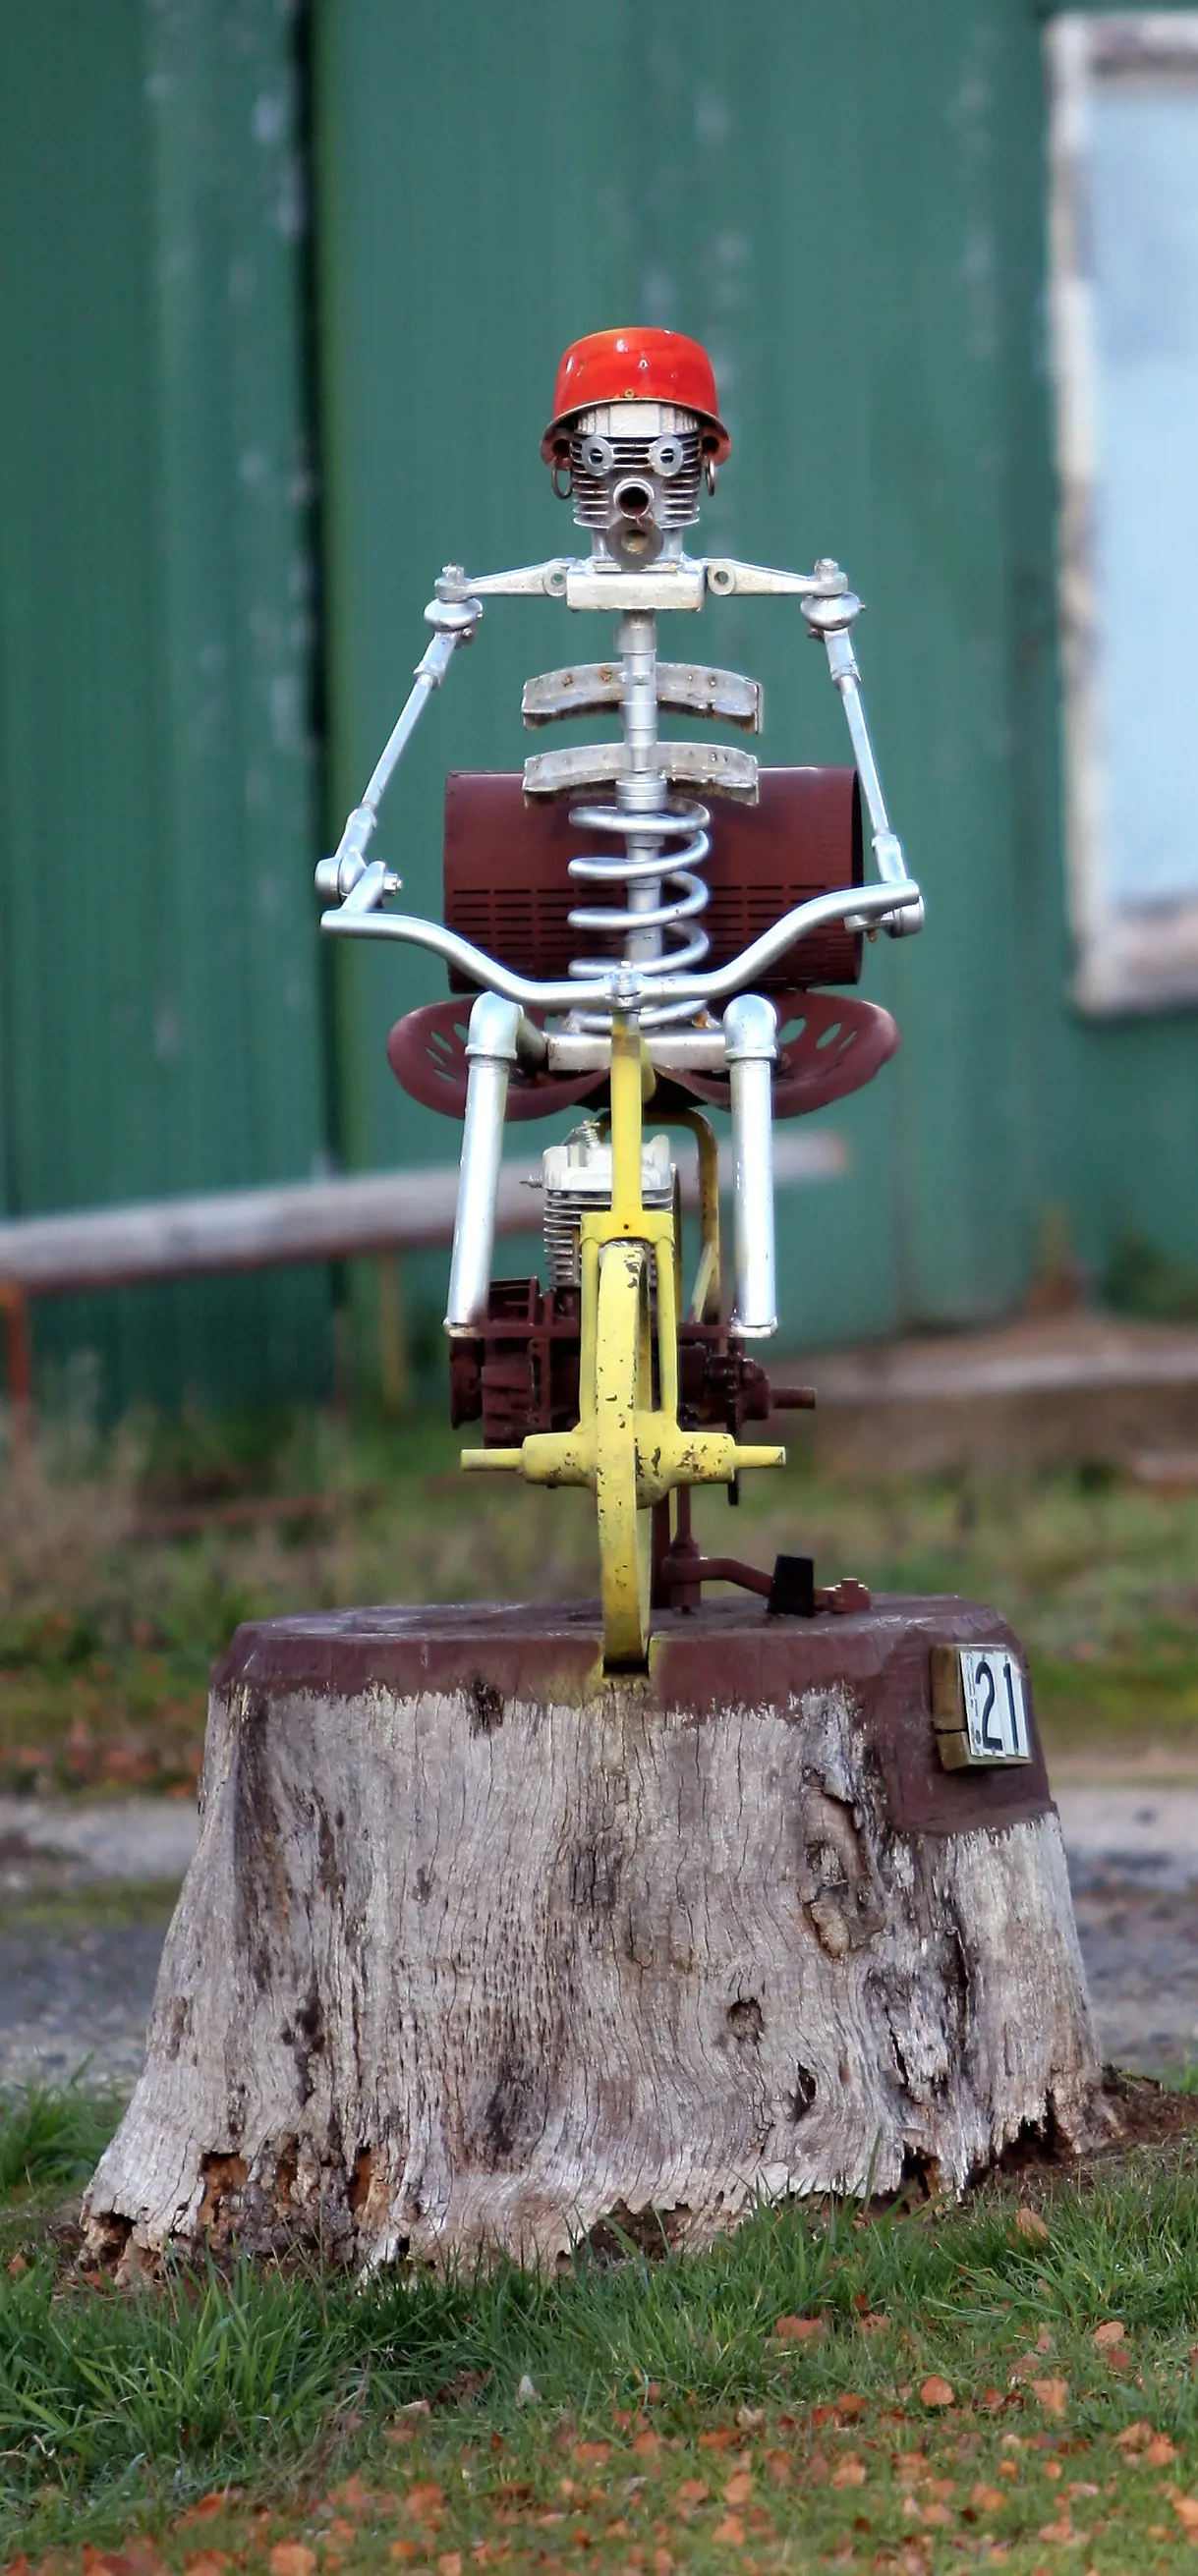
x=625, y=988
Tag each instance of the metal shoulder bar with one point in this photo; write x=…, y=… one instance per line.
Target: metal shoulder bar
x=527, y=581
x=727, y=579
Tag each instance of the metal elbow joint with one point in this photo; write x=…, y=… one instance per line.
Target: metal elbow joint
x=892, y=870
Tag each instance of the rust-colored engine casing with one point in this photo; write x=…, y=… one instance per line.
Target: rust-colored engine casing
x=521, y=1373
x=508, y=889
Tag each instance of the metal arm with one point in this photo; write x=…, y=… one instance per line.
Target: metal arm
x=456, y=623
x=832, y=619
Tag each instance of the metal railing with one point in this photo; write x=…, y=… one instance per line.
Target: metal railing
x=342, y=1219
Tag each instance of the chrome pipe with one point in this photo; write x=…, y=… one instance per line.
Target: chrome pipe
x=490, y=1052
x=625, y=986
x=751, y=1040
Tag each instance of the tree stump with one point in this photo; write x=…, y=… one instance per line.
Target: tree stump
x=482, y=1948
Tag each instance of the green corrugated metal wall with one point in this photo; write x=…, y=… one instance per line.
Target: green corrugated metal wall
x=819, y=193
x=160, y=1027
x=846, y=201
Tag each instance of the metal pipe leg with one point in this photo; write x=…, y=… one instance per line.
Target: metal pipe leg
x=751, y=1037
x=490, y=1053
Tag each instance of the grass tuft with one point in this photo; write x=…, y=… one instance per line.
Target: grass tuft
x=50, y=2140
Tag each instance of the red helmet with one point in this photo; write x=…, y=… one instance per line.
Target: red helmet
x=636, y=366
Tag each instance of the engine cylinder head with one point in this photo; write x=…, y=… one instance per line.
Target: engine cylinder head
x=667, y=465
x=578, y=1177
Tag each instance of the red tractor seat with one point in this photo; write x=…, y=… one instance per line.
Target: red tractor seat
x=827, y=1047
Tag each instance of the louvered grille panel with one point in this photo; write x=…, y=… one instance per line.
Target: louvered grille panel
x=507, y=887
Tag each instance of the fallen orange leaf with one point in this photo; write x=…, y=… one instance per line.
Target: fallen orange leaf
x=206, y=2505
x=691, y=2492
x=739, y=2488
x=1113, y=2331
x=850, y=2473
x=798, y=2329
x=206, y=2562
x=730, y=2529
x=1134, y=2437
x=1159, y=2452
x=937, y=2392
x=404, y=2551
x=353, y=2497
x=987, y=2499
x=1062, y=2530
x=424, y=2498
x=1028, y=2222
x=646, y=2443
x=1051, y=2394
x=450, y=2562
x=291, y=2558
x=1186, y=2510
x=596, y=2451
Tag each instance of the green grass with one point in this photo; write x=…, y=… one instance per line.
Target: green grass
x=108, y=1628
x=49, y=2140
x=623, y=2399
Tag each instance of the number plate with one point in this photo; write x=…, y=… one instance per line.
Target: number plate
x=979, y=1707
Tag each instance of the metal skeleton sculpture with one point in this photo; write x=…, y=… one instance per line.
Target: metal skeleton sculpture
x=601, y=1379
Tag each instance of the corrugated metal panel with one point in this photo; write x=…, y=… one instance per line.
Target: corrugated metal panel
x=161, y=1021
x=823, y=196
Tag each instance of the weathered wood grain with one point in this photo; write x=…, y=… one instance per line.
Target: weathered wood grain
x=452, y=1969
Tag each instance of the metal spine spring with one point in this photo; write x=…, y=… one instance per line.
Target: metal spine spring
x=618, y=870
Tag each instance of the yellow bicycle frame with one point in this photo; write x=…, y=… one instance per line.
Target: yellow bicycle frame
x=630, y=1451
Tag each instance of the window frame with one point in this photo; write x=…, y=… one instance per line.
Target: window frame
x=1126, y=960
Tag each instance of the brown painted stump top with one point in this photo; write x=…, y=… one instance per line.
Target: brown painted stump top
x=729, y=1654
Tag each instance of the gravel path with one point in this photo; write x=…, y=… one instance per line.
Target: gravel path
x=76, y=1981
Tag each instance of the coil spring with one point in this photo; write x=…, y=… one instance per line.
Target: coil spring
x=618, y=869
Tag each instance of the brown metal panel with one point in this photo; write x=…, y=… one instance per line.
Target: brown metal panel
x=508, y=889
